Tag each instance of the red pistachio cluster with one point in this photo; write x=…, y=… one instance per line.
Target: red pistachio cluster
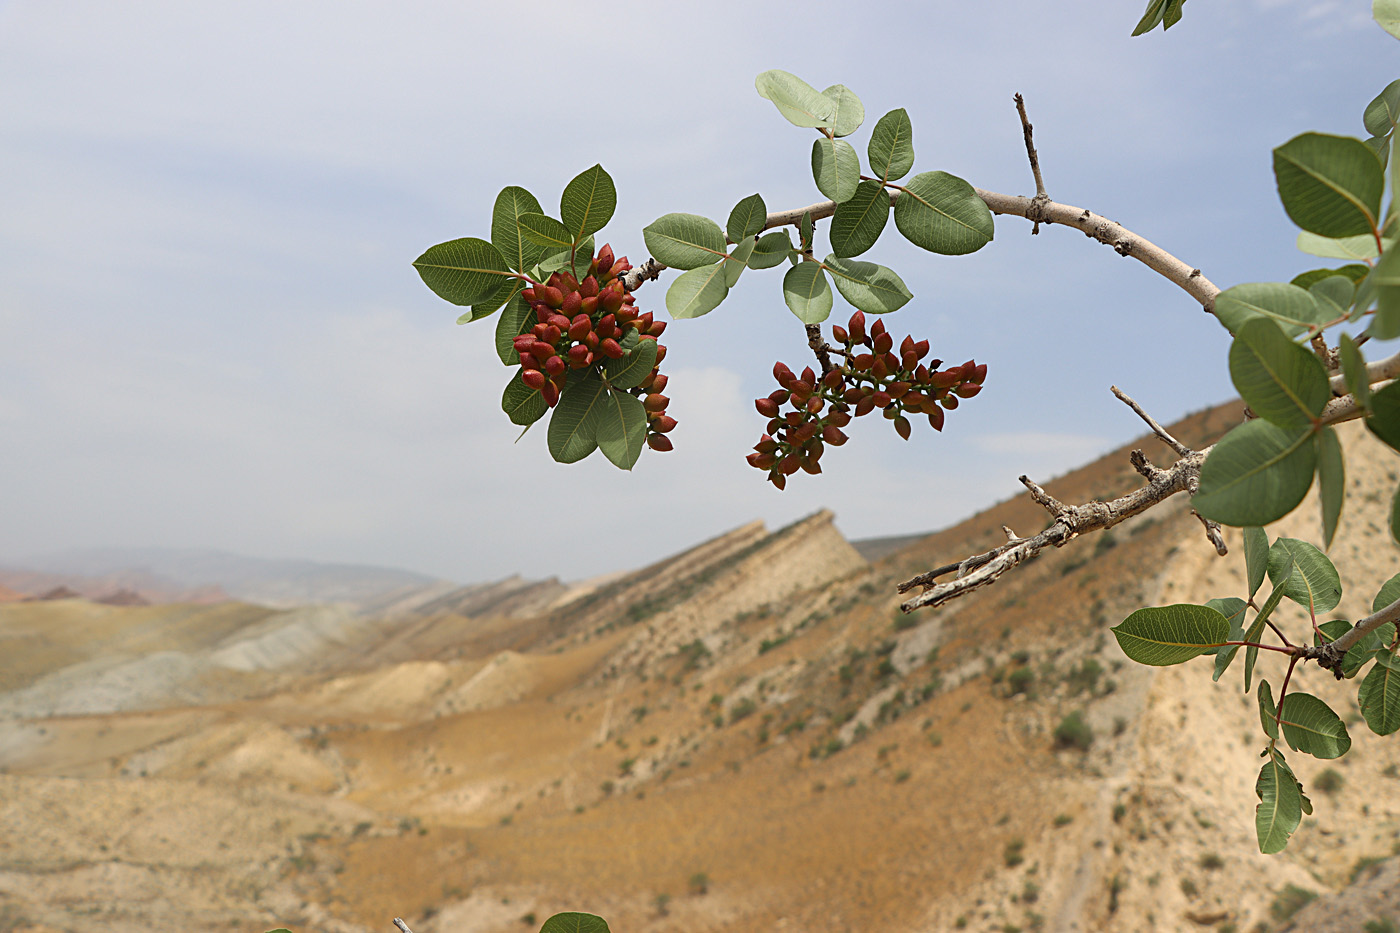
x=872, y=377
x=582, y=325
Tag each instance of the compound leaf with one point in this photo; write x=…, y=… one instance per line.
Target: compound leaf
x=891, y=148
x=684, y=241
x=807, y=292
x=836, y=168
x=1310, y=726
x=1256, y=474
x=1164, y=635
x=859, y=220
x=622, y=427
x=798, y=102
x=868, y=286
x=747, y=219
x=697, y=292
x=849, y=112
x=464, y=271
x=1329, y=185
x=943, y=214
x=588, y=202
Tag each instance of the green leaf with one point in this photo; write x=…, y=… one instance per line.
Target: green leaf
x=574, y=426
x=1329, y=631
x=1383, y=112
x=1279, y=380
x=859, y=220
x=684, y=241
x=1267, y=710
x=1387, y=13
x=1334, y=294
x=807, y=228
x=1356, y=248
x=1384, y=422
x=943, y=214
x=737, y=261
x=836, y=168
x=1256, y=556
x=588, y=202
x=1289, y=306
x=849, y=112
x=1280, y=808
x=1164, y=635
x=868, y=286
x=520, y=253
x=1353, y=273
x=1331, y=482
x=1256, y=629
x=1388, y=593
x=1395, y=516
x=464, y=272
x=1379, y=699
x=1329, y=185
x=622, y=428
x=1385, y=279
x=1150, y=19
x=1313, y=581
x=523, y=404
x=696, y=293
x=771, y=249
x=807, y=292
x=517, y=318
x=484, y=309
x=631, y=370
x=575, y=923
x=1354, y=371
x=1233, y=610
x=545, y=232
x=1380, y=145
x=571, y=259
x=798, y=102
x=747, y=219
x=1310, y=726
x=1256, y=474
x=891, y=147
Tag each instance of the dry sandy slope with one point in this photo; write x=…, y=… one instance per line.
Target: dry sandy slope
x=817, y=765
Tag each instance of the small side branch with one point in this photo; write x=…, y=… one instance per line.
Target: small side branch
x=818, y=346
x=398, y=922
x=1028, y=132
x=1213, y=534
x=1070, y=522
x=648, y=271
x=1161, y=432
x=1335, y=650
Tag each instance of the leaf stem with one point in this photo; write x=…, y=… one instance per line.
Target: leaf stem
x=1283, y=691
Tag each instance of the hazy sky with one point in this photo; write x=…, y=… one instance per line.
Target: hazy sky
x=211, y=334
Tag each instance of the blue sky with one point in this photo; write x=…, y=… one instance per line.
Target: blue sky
x=211, y=335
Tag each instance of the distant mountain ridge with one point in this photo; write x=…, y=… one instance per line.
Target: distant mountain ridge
x=171, y=572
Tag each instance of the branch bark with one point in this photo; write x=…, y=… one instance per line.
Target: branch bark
x=1095, y=226
x=1070, y=522
x=1330, y=655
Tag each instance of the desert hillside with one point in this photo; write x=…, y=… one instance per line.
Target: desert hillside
x=745, y=736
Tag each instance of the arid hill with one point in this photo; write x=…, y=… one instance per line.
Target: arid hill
x=745, y=736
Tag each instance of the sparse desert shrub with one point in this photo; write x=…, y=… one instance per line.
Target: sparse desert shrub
x=1329, y=781
x=1289, y=901
x=1074, y=732
x=743, y=709
x=1019, y=681
x=1211, y=862
x=1015, y=852
x=699, y=883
